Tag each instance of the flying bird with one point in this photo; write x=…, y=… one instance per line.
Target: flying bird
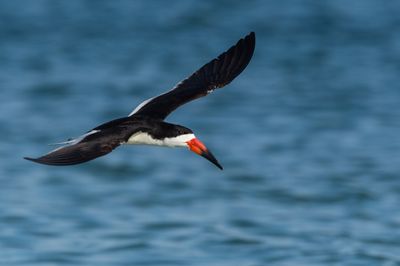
x=145, y=124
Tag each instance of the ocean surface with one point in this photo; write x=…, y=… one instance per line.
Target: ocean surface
x=308, y=134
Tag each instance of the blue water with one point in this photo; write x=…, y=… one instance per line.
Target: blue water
x=308, y=134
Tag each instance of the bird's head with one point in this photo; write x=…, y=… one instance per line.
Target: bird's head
x=184, y=137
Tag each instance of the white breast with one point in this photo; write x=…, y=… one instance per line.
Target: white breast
x=145, y=139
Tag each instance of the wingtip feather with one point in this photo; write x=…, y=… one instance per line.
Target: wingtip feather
x=38, y=160
x=29, y=159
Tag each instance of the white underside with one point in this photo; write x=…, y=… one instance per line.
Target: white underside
x=145, y=139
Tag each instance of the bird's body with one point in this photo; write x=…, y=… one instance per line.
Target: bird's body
x=145, y=125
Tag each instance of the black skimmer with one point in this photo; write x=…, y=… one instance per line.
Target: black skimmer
x=145, y=124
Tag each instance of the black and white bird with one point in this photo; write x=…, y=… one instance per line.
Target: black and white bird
x=145, y=124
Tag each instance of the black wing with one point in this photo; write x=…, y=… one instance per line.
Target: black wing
x=74, y=154
x=86, y=148
x=215, y=74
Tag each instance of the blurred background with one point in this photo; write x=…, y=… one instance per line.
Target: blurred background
x=308, y=134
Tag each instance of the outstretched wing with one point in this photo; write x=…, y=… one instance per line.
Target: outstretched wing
x=88, y=147
x=215, y=74
x=75, y=154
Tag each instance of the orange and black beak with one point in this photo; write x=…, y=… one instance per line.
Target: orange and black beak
x=198, y=147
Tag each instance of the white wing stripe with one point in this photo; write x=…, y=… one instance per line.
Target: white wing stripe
x=141, y=105
x=76, y=140
x=148, y=100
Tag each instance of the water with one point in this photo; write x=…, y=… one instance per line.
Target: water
x=308, y=134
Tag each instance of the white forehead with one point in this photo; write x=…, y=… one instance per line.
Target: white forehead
x=178, y=141
x=183, y=138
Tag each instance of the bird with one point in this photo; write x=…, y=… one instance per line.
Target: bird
x=145, y=125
